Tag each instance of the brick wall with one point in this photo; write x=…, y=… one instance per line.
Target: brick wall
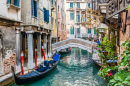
x=8, y=63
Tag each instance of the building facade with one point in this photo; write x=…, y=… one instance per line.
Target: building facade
x=61, y=20
x=117, y=18
x=10, y=19
x=74, y=12
x=35, y=30
x=54, y=21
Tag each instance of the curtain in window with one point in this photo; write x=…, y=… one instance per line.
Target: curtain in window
x=89, y=30
x=71, y=16
x=71, y=5
x=78, y=5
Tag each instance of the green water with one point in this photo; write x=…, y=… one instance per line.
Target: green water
x=75, y=69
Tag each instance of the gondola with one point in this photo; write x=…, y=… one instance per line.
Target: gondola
x=65, y=51
x=40, y=73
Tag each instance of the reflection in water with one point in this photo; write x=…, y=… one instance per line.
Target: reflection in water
x=73, y=70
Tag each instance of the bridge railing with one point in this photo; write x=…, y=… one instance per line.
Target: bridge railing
x=86, y=43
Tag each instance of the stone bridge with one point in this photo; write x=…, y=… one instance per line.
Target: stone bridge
x=75, y=42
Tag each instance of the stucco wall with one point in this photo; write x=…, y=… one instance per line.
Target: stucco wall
x=9, y=12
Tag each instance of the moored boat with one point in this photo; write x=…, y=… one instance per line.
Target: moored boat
x=40, y=73
x=65, y=51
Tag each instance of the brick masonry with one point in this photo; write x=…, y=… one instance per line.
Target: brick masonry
x=8, y=63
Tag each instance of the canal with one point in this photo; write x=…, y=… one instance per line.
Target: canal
x=75, y=69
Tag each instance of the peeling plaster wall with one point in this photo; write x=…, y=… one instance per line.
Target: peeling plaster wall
x=8, y=34
x=8, y=49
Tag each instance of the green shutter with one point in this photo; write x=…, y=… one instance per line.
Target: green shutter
x=78, y=5
x=32, y=1
x=16, y=3
x=95, y=31
x=71, y=16
x=71, y=5
x=8, y=1
x=72, y=30
x=89, y=30
x=35, y=8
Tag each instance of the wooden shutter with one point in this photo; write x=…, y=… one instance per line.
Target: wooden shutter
x=95, y=31
x=47, y=16
x=35, y=8
x=8, y=1
x=16, y=3
x=44, y=14
x=71, y=5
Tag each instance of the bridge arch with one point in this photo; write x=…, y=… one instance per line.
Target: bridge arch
x=75, y=42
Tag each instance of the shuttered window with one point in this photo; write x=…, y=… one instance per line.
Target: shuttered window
x=52, y=2
x=77, y=18
x=46, y=15
x=8, y=2
x=35, y=8
x=13, y=2
x=89, y=30
x=72, y=30
x=71, y=5
x=32, y=8
x=78, y=30
x=16, y=3
x=88, y=5
x=71, y=16
x=95, y=31
x=78, y=5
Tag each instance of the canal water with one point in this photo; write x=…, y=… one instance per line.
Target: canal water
x=74, y=69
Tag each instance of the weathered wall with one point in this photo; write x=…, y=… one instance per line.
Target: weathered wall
x=8, y=48
x=9, y=12
x=26, y=11
x=123, y=37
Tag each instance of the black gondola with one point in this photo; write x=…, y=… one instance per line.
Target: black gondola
x=40, y=73
x=65, y=51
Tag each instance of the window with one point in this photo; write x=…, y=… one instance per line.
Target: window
x=34, y=8
x=71, y=5
x=77, y=18
x=58, y=9
x=52, y=2
x=46, y=15
x=71, y=16
x=88, y=5
x=78, y=5
x=95, y=31
x=78, y=30
x=13, y=2
x=72, y=30
x=89, y=30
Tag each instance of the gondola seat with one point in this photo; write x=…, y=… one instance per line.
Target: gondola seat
x=56, y=57
x=31, y=74
x=51, y=62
